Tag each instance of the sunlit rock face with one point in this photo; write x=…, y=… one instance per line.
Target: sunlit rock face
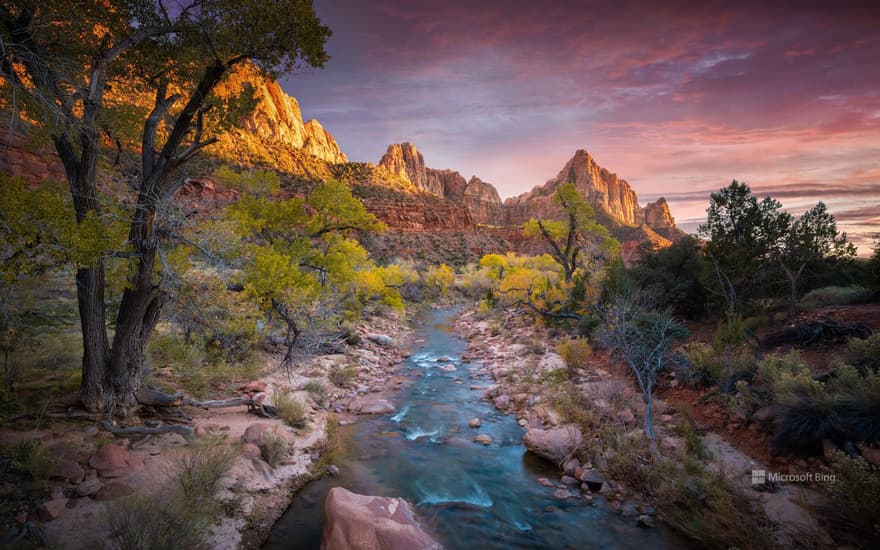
x=478, y=197
x=657, y=215
x=277, y=118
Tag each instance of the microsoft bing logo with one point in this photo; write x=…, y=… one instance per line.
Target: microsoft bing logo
x=759, y=477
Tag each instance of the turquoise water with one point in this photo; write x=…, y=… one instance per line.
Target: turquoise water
x=469, y=495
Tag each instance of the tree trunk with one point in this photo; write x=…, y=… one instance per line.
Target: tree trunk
x=649, y=411
x=96, y=349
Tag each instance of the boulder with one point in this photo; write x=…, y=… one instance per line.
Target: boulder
x=554, y=444
x=594, y=480
x=571, y=466
x=568, y=480
x=52, y=509
x=372, y=404
x=67, y=469
x=381, y=339
x=361, y=522
x=254, y=433
x=115, y=461
x=251, y=451
x=88, y=487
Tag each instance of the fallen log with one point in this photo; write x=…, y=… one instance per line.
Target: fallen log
x=157, y=428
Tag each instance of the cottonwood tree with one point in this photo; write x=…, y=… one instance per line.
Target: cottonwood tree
x=302, y=262
x=642, y=338
x=577, y=244
x=64, y=63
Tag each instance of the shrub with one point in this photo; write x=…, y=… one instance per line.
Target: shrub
x=858, y=403
x=575, y=352
x=835, y=296
x=273, y=447
x=724, y=369
x=807, y=417
x=852, y=513
x=138, y=522
x=342, y=376
x=199, y=469
x=30, y=455
x=318, y=391
x=775, y=367
x=863, y=353
x=291, y=410
x=707, y=508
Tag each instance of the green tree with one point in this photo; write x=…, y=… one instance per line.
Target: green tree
x=810, y=240
x=742, y=234
x=303, y=264
x=674, y=276
x=63, y=60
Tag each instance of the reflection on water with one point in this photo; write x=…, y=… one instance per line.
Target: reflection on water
x=468, y=494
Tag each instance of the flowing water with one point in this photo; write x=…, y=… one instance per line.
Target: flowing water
x=469, y=495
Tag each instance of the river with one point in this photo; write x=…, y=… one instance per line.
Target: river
x=469, y=495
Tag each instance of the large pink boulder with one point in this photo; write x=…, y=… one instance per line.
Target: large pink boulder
x=554, y=444
x=115, y=461
x=371, y=404
x=360, y=522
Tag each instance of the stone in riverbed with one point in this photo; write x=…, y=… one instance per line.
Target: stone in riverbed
x=485, y=439
x=371, y=404
x=594, y=480
x=474, y=423
x=562, y=494
x=554, y=444
x=646, y=521
x=361, y=522
x=568, y=480
x=570, y=467
x=381, y=339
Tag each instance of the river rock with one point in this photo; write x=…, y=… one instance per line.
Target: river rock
x=381, y=339
x=88, y=487
x=594, y=480
x=361, y=522
x=333, y=470
x=554, y=444
x=115, y=461
x=52, y=509
x=485, y=439
x=255, y=432
x=449, y=368
x=474, y=423
x=571, y=466
x=568, y=480
x=114, y=489
x=646, y=521
x=501, y=402
x=371, y=404
x=629, y=510
x=562, y=494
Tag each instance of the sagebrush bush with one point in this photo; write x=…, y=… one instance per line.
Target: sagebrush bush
x=342, y=376
x=852, y=513
x=318, y=391
x=199, y=469
x=863, y=353
x=575, y=352
x=273, y=447
x=775, y=367
x=291, y=410
x=709, y=367
x=835, y=296
x=139, y=522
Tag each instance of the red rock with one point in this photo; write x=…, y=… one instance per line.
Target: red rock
x=67, y=469
x=52, y=509
x=115, y=461
x=554, y=444
x=250, y=450
x=56, y=492
x=254, y=433
x=88, y=487
x=114, y=489
x=359, y=522
x=870, y=454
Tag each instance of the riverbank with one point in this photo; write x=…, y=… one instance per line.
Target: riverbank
x=90, y=472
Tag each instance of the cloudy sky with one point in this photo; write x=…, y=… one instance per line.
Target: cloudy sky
x=678, y=100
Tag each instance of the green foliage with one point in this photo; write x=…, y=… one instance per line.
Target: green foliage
x=575, y=352
x=139, y=521
x=835, y=296
x=274, y=447
x=438, y=279
x=342, y=376
x=724, y=369
x=31, y=456
x=863, y=353
x=707, y=508
x=256, y=182
x=198, y=470
x=854, y=496
x=318, y=391
x=291, y=410
x=674, y=276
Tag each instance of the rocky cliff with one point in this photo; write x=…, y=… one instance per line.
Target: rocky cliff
x=478, y=197
x=277, y=117
x=615, y=202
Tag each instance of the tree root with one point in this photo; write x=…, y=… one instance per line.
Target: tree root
x=157, y=428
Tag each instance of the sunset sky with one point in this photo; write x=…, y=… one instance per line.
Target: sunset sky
x=678, y=100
